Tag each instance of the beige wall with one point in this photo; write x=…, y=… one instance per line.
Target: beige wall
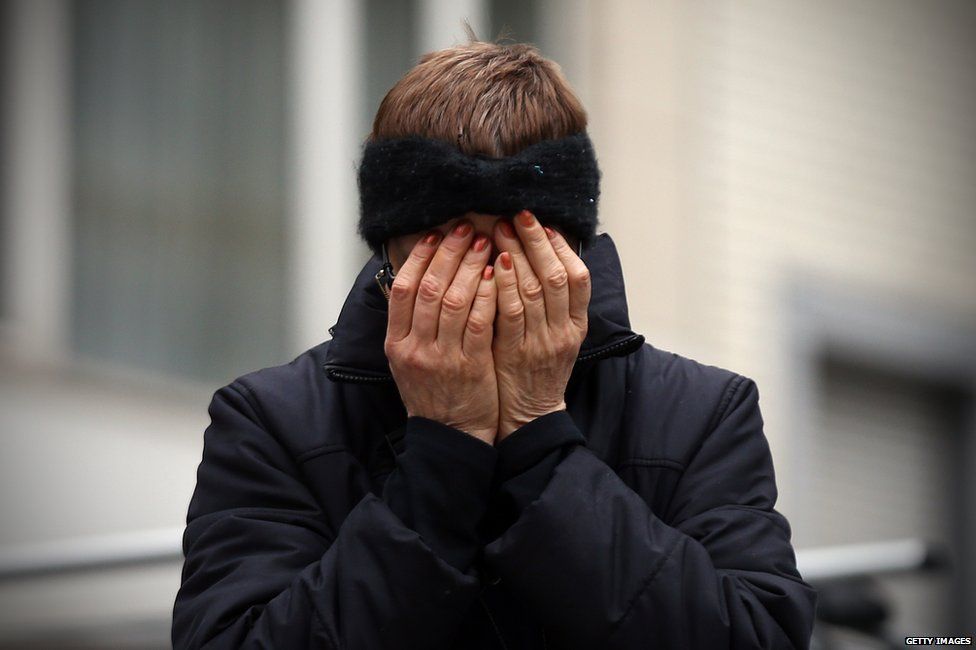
x=747, y=147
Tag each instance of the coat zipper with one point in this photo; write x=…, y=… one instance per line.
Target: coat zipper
x=383, y=279
x=494, y=625
x=498, y=632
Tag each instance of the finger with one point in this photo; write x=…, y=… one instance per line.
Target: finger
x=478, y=332
x=547, y=266
x=456, y=305
x=579, y=279
x=529, y=288
x=436, y=280
x=403, y=292
x=510, y=322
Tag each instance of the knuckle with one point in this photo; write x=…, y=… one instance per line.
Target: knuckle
x=414, y=358
x=484, y=297
x=513, y=311
x=478, y=324
x=581, y=277
x=429, y=289
x=454, y=300
x=532, y=289
x=567, y=344
x=507, y=280
x=485, y=290
x=537, y=236
x=557, y=278
x=400, y=290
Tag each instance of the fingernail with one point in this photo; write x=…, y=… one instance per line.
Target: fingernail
x=462, y=229
x=480, y=242
x=507, y=229
x=506, y=260
x=488, y=272
x=550, y=232
x=432, y=238
x=526, y=218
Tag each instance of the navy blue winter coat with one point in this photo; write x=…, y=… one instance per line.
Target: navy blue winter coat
x=641, y=517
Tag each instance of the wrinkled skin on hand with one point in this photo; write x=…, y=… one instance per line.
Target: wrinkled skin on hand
x=543, y=293
x=487, y=348
x=438, y=341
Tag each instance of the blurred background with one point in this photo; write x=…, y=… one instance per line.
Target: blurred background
x=791, y=187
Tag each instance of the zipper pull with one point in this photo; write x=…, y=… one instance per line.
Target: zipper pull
x=384, y=277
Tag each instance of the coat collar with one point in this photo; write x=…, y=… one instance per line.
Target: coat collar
x=356, y=354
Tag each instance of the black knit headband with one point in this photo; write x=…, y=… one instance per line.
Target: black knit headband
x=408, y=185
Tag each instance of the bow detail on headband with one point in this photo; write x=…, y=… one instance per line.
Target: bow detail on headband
x=408, y=185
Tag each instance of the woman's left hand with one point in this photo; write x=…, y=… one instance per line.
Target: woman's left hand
x=543, y=295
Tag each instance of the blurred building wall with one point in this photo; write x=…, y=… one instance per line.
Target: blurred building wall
x=790, y=188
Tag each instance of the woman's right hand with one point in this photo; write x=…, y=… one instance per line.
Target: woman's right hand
x=439, y=333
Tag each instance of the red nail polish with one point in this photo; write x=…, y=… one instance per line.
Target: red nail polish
x=480, y=242
x=550, y=232
x=506, y=261
x=462, y=229
x=526, y=218
x=432, y=238
x=488, y=272
x=507, y=229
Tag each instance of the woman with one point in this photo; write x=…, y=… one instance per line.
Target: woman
x=485, y=455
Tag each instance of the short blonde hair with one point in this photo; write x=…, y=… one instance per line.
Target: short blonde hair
x=484, y=98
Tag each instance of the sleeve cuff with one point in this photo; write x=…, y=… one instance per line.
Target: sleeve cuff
x=454, y=447
x=441, y=487
x=527, y=459
x=532, y=442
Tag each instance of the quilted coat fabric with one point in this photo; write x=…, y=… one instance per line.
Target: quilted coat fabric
x=640, y=517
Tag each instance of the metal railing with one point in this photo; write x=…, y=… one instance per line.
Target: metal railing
x=816, y=565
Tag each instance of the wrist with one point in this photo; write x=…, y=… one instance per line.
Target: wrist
x=484, y=434
x=511, y=422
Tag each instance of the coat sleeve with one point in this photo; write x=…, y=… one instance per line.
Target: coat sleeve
x=600, y=569
x=264, y=569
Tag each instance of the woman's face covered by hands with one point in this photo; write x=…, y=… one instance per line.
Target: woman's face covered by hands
x=486, y=318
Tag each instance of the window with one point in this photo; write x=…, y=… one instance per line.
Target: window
x=179, y=185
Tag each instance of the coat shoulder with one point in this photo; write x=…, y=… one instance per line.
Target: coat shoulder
x=291, y=399
x=287, y=380
x=683, y=373
x=675, y=401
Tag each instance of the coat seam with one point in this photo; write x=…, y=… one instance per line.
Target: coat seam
x=768, y=514
x=318, y=618
x=249, y=398
x=666, y=463
x=645, y=585
x=718, y=415
x=773, y=516
x=321, y=451
x=722, y=410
